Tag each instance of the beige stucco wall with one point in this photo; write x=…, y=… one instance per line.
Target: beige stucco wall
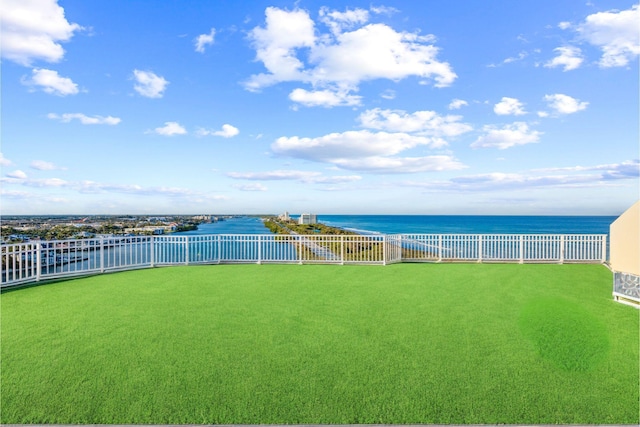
x=625, y=241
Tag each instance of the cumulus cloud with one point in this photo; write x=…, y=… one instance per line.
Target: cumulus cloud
x=204, y=39
x=41, y=165
x=324, y=98
x=367, y=151
x=170, y=129
x=427, y=123
x=149, y=84
x=33, y=30
x=517, y=133
x=276, y=45
x=509, y=106
x=569, y=57
x=334, y=147
x=340, y=21
x=227, y=131
x=292, y=48
x=564, y=104
x=51, y=82
x=616, y=33
x=84, y=119
x=456, y=104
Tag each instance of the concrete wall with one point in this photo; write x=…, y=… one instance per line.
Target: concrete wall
x=625, y=241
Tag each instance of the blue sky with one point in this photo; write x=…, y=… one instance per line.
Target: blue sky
x=332, y=107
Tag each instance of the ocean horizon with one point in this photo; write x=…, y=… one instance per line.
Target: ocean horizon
x=430, y=224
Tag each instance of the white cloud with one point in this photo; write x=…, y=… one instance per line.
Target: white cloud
x=388, y=94
x=396, y=165
x=45, y=166
x=251, y=187
x=348, y=145
x=367, y=151
x=567, y=177
x=422, y=122
x=32, y=30
x=517, y=133
x=93, y=187
x=509, y=106
x=340, y=21
x=569, y=57
x=149, y=84
x=324, y=98
x=291, y=51
x=377, y=51
x=520, y=57
x=616, y=33
x=170, y=129
x=84, y=119
x=227, y=131
x=627, y=169
x=17, y=174
x=309, y=177
x=4, y=161
x=564, y=104
x=204, y=39
x=456, y=104
x=51, y=82
x=276, y=43
x=564, y=25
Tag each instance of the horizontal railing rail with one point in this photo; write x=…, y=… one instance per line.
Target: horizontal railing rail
x=35, y=261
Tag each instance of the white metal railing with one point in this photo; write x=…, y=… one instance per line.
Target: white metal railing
x=35, y=261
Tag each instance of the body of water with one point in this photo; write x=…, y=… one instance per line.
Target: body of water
x=462, y=224
x=236, y=225
x=431, y=224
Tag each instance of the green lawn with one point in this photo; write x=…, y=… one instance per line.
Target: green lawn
x=285, y=344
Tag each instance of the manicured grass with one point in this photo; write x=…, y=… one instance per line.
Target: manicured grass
x=409, y=343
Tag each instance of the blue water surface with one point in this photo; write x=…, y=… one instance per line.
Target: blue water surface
x=462, y=224
x=431, y=224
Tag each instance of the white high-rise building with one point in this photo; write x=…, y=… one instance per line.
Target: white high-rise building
x=307, y=218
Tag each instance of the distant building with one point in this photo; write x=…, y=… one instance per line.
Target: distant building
x=307, y=218
x=284, y=217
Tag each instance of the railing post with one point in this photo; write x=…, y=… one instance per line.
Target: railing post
x=384, y=249
x=342, y=249
x=102, y=255
x=561, y=260
x=259, y=249
x=479, y=247
x=152, y=251
x=298, y=238
x=603, y=256
x=439, y=247
x=38, y=261
x=219, y=249
x=521, y=250
x=186, y=250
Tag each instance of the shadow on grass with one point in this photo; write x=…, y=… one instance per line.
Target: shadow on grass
x=565, y=334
